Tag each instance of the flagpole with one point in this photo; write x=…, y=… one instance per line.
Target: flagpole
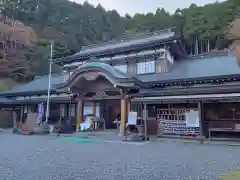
x=49, y=81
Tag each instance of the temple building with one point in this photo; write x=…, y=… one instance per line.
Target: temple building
x=150, y=71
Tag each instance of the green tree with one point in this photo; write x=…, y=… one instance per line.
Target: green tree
x=72, y=26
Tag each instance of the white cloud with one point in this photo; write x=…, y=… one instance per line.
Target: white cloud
x=145, y=6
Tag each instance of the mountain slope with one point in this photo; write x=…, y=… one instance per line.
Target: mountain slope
x=71, y=26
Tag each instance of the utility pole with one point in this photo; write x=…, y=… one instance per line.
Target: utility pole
x=49, y=81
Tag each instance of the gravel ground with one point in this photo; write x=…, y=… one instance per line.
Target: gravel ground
x=45, y=158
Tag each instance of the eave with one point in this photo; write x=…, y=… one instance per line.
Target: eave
x=192, y=81
x=28, y=93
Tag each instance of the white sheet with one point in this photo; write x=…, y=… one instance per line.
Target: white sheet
x=85, y=126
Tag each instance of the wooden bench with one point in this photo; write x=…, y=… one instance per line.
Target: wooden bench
x=229, y=130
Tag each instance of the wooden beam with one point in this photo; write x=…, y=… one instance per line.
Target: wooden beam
x=200, y=116
x=102, y=98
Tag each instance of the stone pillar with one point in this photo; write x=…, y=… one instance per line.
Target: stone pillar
x=123, y=115
x=79, y=114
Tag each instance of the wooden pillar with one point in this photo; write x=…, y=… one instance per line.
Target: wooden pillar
x=145, y=114
x=21, y=116
x=94, y=112
x=123, y=115
x=61, y=114
x=79, y=114
x=200, y=116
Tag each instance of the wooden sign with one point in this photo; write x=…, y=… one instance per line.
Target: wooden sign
x=100, y=94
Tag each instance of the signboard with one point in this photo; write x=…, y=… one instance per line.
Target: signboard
x=192, y=118
x=100, y=94
x=132, y=118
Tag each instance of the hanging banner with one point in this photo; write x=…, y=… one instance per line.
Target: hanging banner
x=132, y=118
x=192, y=118
x=40, y=113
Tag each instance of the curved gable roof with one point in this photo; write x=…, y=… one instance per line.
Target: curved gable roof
x=104, y=69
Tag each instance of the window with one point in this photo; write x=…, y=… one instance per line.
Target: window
x=146, y=67
x=122, y=68
x=72, y=112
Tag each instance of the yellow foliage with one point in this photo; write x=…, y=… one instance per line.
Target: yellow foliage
x=234, y=175
x=17, y=32
x=234, y=29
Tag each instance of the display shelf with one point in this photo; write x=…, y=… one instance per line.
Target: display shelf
x=173, y=121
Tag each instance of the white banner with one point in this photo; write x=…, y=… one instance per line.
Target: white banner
x=192, y=118
x=132, y=118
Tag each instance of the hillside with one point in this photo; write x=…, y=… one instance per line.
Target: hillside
x=71, y=26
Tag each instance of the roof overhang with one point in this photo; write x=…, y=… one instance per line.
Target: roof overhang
x=26, y=93
x=201, y=97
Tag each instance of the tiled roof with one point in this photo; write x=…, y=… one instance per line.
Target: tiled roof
x=124, y=43
x=5, y=100
x=39, y=84
x=197, y=68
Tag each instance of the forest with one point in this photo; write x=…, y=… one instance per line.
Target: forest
x=28, y=26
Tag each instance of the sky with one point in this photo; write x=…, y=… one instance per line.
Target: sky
x=144, y=6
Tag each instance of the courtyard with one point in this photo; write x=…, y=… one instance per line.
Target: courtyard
x=50, y=158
